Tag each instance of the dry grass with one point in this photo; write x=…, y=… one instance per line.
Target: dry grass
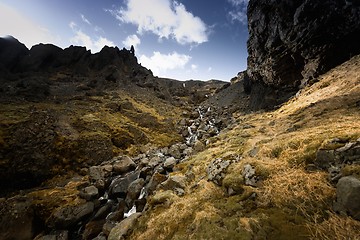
x=334, y=227
x=295, y=189
x=291, y=202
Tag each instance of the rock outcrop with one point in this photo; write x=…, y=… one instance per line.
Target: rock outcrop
x=292, y=42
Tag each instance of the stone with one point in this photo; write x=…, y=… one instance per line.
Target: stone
x=108, y=226
x=93, y=229
x=68, y=216
x=134, y=190
x=89, y=193
x=120, y=185
x=183, y=122
x=174, y=151
x=174, y=182
x=101, y=236
x=216, y=170
x=155, y=180
x=249, y=175
x=188, y=151
x=123, y=164
x=140, y=204
x=213, y=131
x=179, y=191
x=325, y=158
x=103, y=211
x=169, y=163
x=154, y=161
x=118, y=213
x=120, y=231
x=97, y=176
x=348, y=196
x=199, y=146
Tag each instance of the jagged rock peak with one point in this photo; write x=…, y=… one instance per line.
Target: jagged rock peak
x=15, y=57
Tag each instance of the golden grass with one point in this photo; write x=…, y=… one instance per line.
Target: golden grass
x=291, y=202
x=334, y=227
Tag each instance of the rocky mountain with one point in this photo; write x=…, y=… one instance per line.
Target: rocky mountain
x=292, y=42
x=93, y=146
x=56, y=101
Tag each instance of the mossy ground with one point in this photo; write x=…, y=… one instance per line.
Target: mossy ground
x=290, y=202
x=70, y=133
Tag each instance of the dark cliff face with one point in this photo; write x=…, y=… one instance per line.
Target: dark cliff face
x=291, y=42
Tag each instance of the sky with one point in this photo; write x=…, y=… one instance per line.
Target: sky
x=183, y=39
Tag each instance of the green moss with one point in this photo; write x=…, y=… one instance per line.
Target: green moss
x=351, y=170
x=163, y=197
x=276, y=152
x=276, y=224
x=235, y=181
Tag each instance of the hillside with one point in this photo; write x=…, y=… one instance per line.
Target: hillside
x=93, y=146
x=272, y=185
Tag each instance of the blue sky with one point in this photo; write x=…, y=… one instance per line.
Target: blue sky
x=184, y=39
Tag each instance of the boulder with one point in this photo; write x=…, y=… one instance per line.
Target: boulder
x=348, y=196
x=92, y=229
x=120, y=185
x=68, y=216
x=174, y=182
x=89, y=193
x=199, y=146
x=121, y=229
x=216, y=170
x=249, y=175
x=155, y=180
x=134, y=190
x=154, y=161
x=123, y=164
x=174, y=151
x=169, y=163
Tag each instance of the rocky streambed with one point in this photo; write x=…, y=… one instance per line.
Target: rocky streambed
x=104, y=201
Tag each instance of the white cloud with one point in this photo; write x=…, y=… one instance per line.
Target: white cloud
x=132, y=40
x=240, y=11
x=165, y=18
x=161, y=63
x=19, y=26
x=194, y=67
x=82, y=39
x=239, y=2
x=209, y=69
x=85, y=20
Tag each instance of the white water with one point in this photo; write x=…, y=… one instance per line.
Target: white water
x=130, y=212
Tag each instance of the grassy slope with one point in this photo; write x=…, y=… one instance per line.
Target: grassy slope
x=291, y=202
x=78, y=132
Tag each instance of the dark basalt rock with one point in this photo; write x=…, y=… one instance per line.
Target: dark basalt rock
x=292, y=42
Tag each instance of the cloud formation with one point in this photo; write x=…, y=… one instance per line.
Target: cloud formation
x=85, y=20
x=165, y=18
x=240, y=11
x=160, y=63
x=132, y=40
x=82, y=39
